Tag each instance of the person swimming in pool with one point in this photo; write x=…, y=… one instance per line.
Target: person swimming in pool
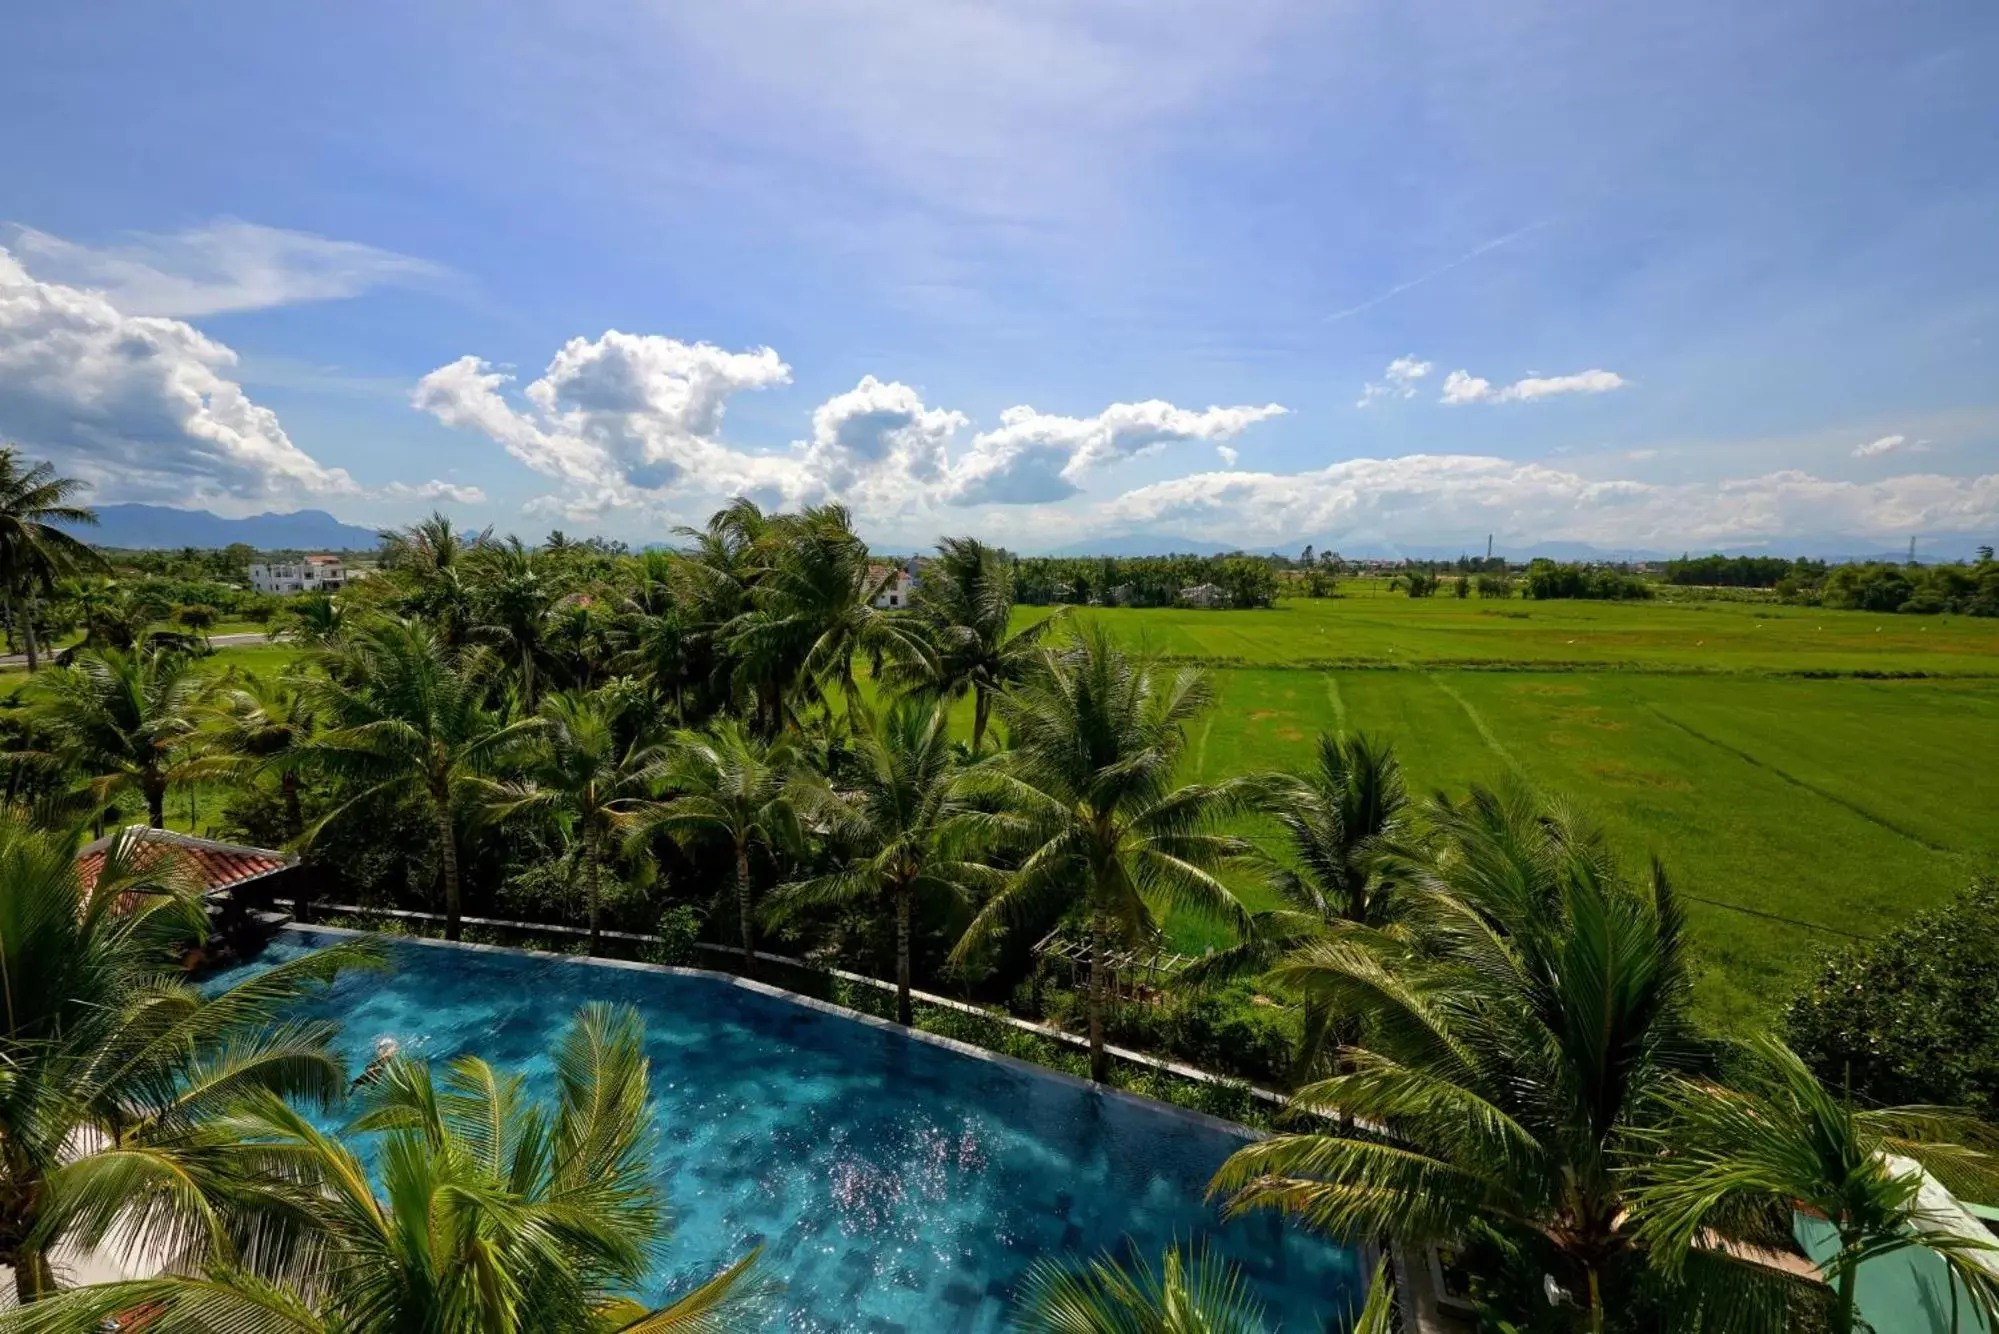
x=385, y=1051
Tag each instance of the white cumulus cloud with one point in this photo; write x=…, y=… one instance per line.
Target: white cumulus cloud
x=433, y=492
x=629, y=420
x=227, y=265
x=618, y=416
x=1228, y=455
x=878, y=448
x=1432, y=498
x=1035, y=457
x=1399, y=381
x=141, y=406
x=1890, y=444
x=1463, y=387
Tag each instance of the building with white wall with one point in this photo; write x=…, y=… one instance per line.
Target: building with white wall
x=894, y=595
x=313, y=574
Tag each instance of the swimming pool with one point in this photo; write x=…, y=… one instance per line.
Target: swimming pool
x=895, y=1185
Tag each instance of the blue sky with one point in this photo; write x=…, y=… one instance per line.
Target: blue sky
x=1702, y=274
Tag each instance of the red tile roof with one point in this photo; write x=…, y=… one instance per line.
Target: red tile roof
x=219, y=865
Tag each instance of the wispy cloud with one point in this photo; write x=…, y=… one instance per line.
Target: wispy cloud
x=224, y=266
x=1485, y=247
x=1399, y=381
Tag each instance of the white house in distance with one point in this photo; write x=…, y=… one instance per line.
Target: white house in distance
x=314, y=574
x=895, y=594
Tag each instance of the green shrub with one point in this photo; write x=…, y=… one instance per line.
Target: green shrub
x=1550, y=579
x=1223, y=1031
x=678, y=928
x=1914, y=1016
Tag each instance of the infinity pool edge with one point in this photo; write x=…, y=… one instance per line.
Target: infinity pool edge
x=973, y=1050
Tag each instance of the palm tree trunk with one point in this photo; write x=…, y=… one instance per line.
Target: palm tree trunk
x=447, y=849
x=294, y=813
x=156, y=800
x=1100, y=1061
x=33, y=1278
x=982, y=707
x=743, y=908
x=294, y=831
x=903, y=1014
x=1842, y=1311
x=592, y=871
x=28, y=635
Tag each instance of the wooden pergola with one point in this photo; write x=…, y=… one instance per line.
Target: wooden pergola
x=1133, y=974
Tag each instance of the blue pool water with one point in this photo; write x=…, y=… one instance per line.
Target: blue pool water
x=894, y=1184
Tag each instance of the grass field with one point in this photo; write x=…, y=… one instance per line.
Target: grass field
x=1384, y=631
x=1798, y=793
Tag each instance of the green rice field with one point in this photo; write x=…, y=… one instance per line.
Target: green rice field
x=1807, y=777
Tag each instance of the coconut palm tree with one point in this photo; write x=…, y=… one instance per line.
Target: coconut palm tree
x=1511, y=1049
x=1088, y=793
x=895, y=827
x=34, y=552
x=589, y=771
x=261, y=725
x=965, y=601
x=811, y=609
x=1342, y=820
x=1190, y=1293
x=512, y=595
x=1729, y=1160
x=432, y=554
x=116, y=1071
x=583, y=641
x=654, y=632
x=110, y=616
x=712, y=582
x=405, y=716
x=495, y=1215
x=125, y=720
x=313, y=620
x=734, y=787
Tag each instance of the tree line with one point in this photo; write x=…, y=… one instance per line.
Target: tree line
x=1144, y=581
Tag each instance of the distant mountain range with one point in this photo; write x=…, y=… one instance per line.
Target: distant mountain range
x=1930, y=548
x=1143, y=544
x=162, y=527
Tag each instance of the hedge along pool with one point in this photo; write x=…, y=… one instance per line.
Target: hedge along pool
x=895, y=1184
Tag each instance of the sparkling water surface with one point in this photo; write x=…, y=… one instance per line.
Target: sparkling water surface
x=894, y=1185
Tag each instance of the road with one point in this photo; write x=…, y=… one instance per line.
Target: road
x=236, y=640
